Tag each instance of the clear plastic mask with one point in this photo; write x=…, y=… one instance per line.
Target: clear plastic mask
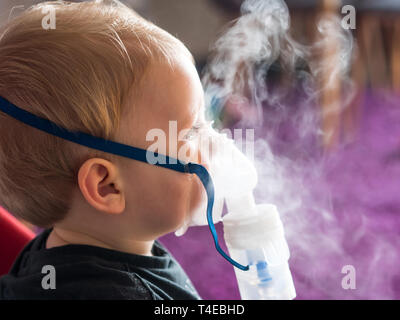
x=232, y=173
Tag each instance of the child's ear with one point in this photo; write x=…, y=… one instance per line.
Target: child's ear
x=101, y=185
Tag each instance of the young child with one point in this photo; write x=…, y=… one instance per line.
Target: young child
x=105, y=71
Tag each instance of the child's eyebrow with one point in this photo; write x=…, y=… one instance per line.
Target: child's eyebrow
x=188, y=120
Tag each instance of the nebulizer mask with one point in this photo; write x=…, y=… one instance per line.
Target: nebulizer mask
x=253, y=233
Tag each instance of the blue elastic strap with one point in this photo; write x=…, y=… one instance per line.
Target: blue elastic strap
x=126, y=151
x=208, y=184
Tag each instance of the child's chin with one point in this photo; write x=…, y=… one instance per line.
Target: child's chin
x=173, y=224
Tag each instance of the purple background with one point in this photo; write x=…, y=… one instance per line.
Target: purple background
x=362, y=181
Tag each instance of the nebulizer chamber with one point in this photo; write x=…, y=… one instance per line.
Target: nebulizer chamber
x=253, y=233
x=256, y=238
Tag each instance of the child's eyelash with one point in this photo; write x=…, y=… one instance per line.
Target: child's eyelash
x=195, y=129
x=192, y=132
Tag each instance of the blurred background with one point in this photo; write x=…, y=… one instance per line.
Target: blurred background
x=352, y=161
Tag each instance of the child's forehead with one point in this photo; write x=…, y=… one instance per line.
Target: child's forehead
x=166, y=94
x=175, y=90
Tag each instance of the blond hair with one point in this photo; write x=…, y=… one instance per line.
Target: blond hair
x=79, y=76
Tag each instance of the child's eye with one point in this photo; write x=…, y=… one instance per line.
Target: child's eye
x=192, y=133
x=196, y=129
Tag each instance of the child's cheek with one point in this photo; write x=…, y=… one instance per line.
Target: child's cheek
x=193, y=194
x=198, y=194
x=188, y=151
x=179, y=201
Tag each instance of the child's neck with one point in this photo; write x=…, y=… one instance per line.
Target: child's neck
x=62, y=236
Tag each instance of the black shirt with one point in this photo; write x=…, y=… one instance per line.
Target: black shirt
x=90, y=272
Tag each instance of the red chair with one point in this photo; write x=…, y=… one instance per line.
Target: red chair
x=13, y=237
